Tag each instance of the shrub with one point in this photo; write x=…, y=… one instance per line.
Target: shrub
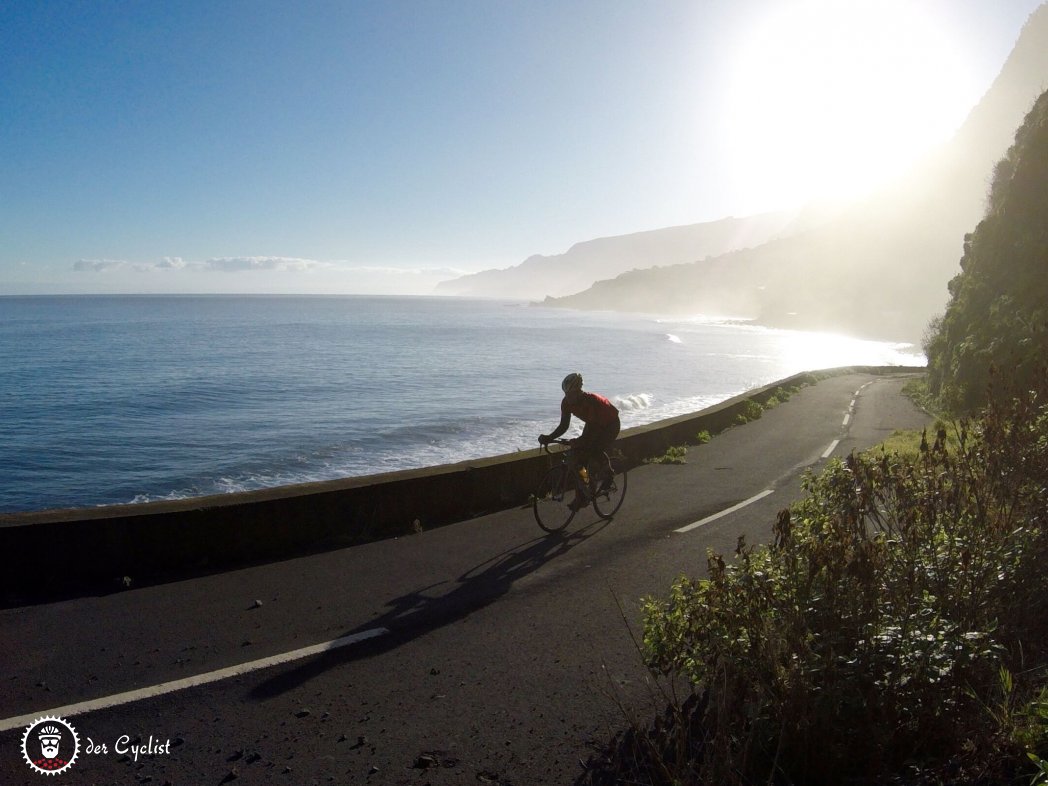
x=873, y=635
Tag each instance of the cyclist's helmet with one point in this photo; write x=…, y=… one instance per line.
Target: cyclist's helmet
x=571, y=381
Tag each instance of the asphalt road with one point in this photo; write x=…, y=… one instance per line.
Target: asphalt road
x=489, y=652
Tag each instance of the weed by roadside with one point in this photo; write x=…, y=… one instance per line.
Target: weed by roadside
x=751, y=411
x=910, y=443
x=919, y=393
x=674, y=455
x=780, y=396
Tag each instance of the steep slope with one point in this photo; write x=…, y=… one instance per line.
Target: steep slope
x=575, y=270
x=998, y=310
x=881, y=267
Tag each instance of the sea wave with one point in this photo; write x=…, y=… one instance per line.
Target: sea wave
x=634, y=401
x=704, y=320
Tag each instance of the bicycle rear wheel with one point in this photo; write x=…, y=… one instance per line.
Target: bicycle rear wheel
x=552, y=500
x=607, y=500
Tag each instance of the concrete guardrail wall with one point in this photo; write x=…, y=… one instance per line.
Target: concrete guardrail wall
x=92, y=549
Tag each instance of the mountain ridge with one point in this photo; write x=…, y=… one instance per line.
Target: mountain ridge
x=878, y=268
x=881, y=268
x=587, y=261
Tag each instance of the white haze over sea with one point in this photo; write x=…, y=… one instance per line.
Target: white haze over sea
x=137, y=398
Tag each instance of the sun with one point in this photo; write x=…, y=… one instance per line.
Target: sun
x=828, y=98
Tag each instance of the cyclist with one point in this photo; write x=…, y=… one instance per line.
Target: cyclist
x=602, y=427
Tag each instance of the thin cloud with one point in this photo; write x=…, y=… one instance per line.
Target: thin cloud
x=99, y=265
x=115, y=265
x=270, y=264
x=282, y=264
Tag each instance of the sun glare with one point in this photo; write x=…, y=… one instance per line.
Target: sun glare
x=829, y=98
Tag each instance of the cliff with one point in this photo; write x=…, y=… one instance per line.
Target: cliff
x=998, y=309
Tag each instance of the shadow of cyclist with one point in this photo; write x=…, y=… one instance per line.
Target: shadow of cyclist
x=412, y=615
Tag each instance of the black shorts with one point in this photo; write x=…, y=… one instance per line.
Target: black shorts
x=596, y=439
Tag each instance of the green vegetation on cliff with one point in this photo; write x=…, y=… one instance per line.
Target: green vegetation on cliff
x=998, y=309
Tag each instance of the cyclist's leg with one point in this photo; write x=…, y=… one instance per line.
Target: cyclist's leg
x=585, y=450
x=582, y=493
x=582, y=447
x=608, y=435
x=591, y=449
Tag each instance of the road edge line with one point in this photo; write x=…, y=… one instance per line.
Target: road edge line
x=726, y=511
x=152, y=691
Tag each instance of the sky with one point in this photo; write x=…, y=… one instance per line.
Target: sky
x=382, y=146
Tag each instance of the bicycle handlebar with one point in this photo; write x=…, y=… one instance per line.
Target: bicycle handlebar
x=546, y=445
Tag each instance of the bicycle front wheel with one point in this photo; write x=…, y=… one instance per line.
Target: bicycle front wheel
x=553, y=498
x=609, y=497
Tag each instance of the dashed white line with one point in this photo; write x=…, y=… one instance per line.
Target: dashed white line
x=831, y=448
x=726, y=511
x=847, y=417
x=190, y=682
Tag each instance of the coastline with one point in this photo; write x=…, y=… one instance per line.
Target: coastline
x=107, y=547
x=768, y=319
x=224, y=395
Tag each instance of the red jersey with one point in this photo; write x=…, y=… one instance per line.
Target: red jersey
x=589, y=408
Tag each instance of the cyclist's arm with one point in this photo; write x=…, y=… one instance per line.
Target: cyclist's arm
x=565, y=421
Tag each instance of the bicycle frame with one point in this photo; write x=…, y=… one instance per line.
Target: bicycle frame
x=605, y=495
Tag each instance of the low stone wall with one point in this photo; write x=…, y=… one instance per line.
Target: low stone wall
x=92, y=549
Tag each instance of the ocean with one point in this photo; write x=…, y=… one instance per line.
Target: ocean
x=123, y=399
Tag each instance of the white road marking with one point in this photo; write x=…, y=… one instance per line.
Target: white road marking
x=826, y=454
x=726, y=511
x=190, y=682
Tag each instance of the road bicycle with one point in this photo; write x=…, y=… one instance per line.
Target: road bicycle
x=567, y=488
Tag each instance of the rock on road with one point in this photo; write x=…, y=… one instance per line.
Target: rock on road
x=488, y=651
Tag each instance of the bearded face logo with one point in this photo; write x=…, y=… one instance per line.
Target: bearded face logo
x=50, y=740
x=57, y=743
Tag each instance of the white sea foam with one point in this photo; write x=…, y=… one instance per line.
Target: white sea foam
x=633, y=402
x=171, y=496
